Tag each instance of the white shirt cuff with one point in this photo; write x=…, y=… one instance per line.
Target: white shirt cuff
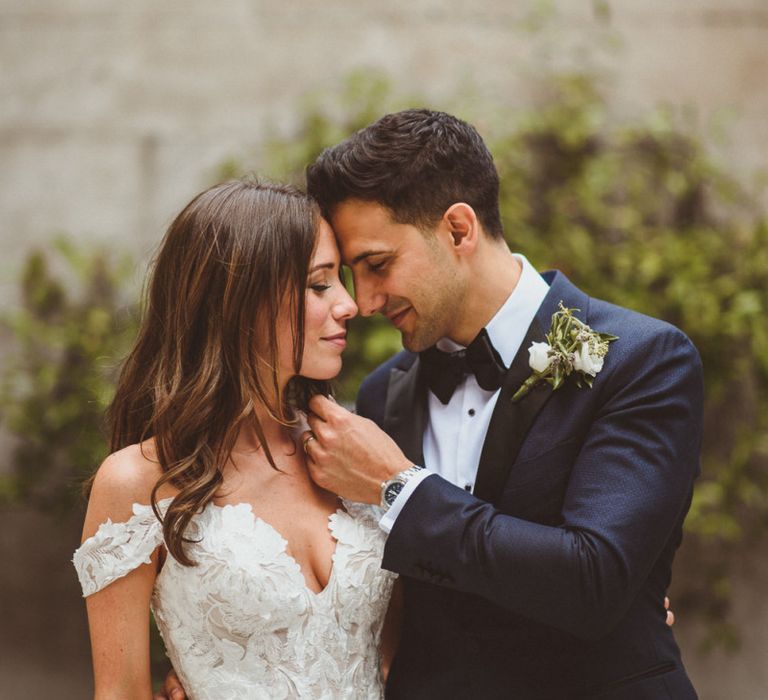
x=387, y=521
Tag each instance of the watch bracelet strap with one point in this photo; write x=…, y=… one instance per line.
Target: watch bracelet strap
x=411, y=471
x=403, y=477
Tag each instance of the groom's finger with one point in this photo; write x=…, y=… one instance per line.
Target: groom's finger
x=308, y=442
x=323, y=407
x=172, y=689
x=670, y=613
x=316, y=457
x=317, y=427
x=328, y=426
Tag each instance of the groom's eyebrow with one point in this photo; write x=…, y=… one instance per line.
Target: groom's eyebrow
x=366, y=254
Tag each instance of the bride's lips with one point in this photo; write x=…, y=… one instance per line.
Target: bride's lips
x=340, y=339
x=396, y=319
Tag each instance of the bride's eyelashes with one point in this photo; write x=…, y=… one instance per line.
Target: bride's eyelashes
x=325, y=284
x=319, y=283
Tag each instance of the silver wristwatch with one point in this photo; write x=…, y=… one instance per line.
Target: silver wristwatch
x=390, y=489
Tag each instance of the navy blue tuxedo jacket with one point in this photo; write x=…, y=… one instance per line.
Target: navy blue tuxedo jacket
x=548, y=580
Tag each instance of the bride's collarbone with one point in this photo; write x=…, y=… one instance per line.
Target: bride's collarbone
x=286, y=489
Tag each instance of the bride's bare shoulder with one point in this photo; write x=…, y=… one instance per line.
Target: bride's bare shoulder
x=124, y=478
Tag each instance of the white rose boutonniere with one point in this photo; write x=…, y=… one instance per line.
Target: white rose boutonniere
x=572, y=347
x=587, y=361
x=540, y=356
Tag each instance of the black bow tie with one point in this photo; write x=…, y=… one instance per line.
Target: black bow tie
x=444, y=371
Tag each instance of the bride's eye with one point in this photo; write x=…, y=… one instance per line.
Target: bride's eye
x=320, y=287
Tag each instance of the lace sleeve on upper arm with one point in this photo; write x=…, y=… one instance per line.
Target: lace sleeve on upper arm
x=118, y=548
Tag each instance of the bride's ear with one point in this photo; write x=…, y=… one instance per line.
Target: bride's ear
x=461, y=222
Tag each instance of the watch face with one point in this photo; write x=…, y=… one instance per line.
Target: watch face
x=391, y=492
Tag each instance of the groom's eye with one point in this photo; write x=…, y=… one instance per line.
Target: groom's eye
x=374, y=267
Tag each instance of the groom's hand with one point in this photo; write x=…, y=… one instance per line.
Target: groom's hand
x=347, y=454
x=670, y=613
x=172, y=689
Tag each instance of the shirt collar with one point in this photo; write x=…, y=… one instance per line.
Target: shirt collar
x=510, y=323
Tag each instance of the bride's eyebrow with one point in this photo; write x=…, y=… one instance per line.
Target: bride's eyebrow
x=322, y=266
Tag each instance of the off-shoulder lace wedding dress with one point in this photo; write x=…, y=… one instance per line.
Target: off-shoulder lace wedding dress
x=242, y=623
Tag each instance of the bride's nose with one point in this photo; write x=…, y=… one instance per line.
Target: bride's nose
x=345, y=307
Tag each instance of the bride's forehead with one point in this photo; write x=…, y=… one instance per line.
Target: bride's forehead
x=326, y=249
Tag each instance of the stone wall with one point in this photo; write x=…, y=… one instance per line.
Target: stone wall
x=115, y=113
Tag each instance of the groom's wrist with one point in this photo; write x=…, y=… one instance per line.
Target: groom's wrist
x=392, y=487
x=390, y=517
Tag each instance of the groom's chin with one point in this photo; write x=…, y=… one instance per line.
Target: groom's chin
x=420, y=336
x=408, y=341
x=413, y=343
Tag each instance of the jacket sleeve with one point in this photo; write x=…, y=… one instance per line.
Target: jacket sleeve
x=628, y=491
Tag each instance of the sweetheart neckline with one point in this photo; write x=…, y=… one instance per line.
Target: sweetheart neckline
x=341, y=510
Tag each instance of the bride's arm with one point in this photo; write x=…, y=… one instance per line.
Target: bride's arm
x=118, y=614
x=118, y=618
x=390, y=633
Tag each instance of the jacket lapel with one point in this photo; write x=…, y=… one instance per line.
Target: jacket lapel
x=405, y=414
x=510, y=422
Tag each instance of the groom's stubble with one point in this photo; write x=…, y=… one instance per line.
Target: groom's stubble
x=437, y=298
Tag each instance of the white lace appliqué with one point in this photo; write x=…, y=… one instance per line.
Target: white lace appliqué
x=242, y=623
x=118, y=548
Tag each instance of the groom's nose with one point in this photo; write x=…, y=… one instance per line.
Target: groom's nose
x=369, y=299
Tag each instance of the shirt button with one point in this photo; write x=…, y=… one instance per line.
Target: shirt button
x=471, y=411
x=467, y=487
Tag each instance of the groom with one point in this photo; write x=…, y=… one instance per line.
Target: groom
x=535, y=535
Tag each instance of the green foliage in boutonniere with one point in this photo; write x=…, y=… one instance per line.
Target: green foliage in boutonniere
x=572, y=347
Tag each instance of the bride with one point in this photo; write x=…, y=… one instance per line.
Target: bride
x=262, y=584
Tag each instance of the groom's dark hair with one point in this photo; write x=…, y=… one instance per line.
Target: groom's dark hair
x=416, y=163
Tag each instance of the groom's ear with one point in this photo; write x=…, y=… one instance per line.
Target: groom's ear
x=462, y=224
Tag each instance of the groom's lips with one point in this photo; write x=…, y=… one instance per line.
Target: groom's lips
x=396, y=319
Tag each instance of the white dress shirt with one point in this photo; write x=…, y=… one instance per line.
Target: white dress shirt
x=455, y=432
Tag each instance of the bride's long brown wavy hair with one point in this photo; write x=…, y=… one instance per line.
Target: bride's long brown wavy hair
x=206, y=352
